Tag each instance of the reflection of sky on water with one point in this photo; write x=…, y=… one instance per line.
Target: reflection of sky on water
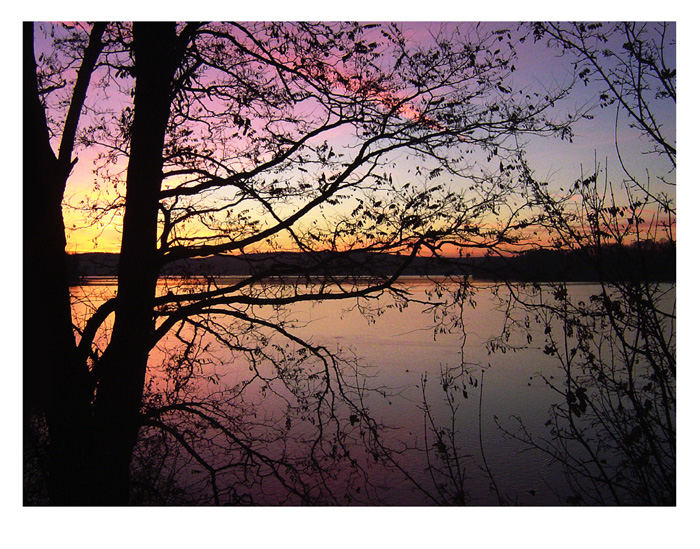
x=395, y=350
x=398, y=360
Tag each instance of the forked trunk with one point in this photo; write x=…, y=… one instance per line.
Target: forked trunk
x=123, y=365
x=56, y=384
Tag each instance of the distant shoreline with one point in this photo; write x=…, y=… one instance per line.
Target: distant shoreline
x=112, y=280
x=648, y=262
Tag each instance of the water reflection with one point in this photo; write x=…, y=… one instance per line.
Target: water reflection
x=347, y=406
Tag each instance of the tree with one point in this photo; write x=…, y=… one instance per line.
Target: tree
x=236, y=139
x=613, y=428
x=62, y=386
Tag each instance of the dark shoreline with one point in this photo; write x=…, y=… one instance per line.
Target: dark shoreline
x=648, y=262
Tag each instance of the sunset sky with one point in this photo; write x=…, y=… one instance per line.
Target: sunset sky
x=558, y=162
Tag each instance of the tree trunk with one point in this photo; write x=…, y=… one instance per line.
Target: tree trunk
x=120, y=389
x=56, y=385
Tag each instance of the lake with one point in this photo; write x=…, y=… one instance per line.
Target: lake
x=401, y=407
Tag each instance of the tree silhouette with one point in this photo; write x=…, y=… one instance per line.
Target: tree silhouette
x=62, y=383
x=334, y=141
x=613, y=428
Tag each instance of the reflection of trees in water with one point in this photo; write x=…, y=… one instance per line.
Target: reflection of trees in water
x=248, y=413
x=231, y=420
x=613, y=424
x=609, y=382
x=241, y=410
x=287, y=433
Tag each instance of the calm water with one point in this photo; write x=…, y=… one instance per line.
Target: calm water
x=386, y=357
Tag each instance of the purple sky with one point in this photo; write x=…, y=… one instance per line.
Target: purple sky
x=559, y=162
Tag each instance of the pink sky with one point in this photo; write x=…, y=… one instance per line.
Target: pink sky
x=557, y=161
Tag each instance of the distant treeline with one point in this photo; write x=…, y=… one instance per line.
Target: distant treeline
x=645, y=261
